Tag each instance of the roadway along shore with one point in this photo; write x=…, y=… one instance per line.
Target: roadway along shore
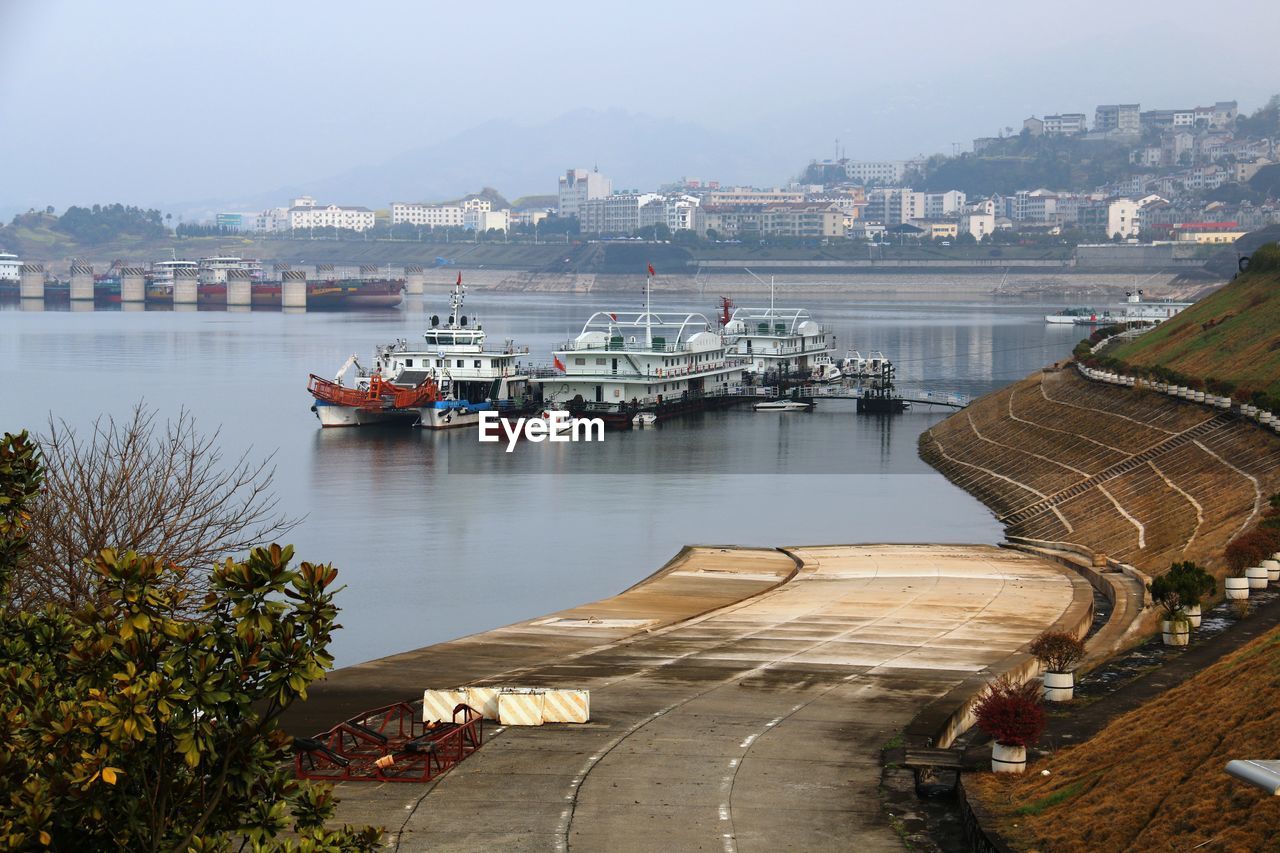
x=739, y=699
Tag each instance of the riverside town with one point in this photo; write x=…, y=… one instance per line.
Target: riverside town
x=692, y=428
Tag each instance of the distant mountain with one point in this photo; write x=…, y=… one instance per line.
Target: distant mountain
x=635, y=151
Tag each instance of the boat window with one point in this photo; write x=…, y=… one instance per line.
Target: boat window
x=461, y=362
x=600, y=361
x=408, y=362
x=582, y=361
x=477, y=362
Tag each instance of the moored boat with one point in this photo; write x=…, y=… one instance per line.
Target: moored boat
x=622, y=364
x=783, y=406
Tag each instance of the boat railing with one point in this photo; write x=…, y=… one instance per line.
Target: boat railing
x=616, y=344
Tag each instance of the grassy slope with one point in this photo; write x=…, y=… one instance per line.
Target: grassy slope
x=1233, y=334
x=1154, y=778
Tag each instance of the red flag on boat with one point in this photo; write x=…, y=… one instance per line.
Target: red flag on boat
x=555, y=359
x=459, y=276
x=651, y=272
x=614, y=316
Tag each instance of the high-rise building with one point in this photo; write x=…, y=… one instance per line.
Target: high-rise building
x=578, y=186
x=1118, y=118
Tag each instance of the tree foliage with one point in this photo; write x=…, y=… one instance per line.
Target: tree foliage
x=1057, y=651
x=125, y=727
x=139, y=485
x=101, y=223
x=1011, y=713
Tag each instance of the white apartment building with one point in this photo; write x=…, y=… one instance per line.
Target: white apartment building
x=1125, y=119
x=1037, y=206
x=893, y=206
x=979, y=223
x=616, y=215
x=471, y=213
x=750, y=195
x=1065, y=124
x=578, y=186
x=677, y=212
x=937, y=205
x=484, y=219
x=1123, y=218
x=873, y=172
x=427, y=215
x=331, y=216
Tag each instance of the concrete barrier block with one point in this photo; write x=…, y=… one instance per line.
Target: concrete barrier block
x=566, y=706
x=520, y=709
x=484, y=700
x=438, y=705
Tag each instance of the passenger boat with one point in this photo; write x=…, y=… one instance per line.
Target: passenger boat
x=1133, y=310
x=643, y=420
x=825, y=370
x=783, y=406
x=854, y=365
x=622, y=364
x=777, y=341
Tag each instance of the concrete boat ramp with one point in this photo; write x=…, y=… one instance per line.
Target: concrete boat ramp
x=739, y=699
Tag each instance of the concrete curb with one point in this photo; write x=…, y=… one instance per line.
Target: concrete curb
x=949, y=716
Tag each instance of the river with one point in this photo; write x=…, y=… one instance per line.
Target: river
x=436, y=535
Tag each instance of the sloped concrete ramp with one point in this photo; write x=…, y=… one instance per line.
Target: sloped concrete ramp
x=756, y=726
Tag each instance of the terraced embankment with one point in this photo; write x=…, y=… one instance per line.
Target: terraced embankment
x=1139, y=476
x=756, y=725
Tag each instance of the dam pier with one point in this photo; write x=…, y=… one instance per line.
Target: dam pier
x=740, y=698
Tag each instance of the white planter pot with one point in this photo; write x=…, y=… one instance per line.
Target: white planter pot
x=1199, y=396
x=1193, y=614
x=1257, y=576
x=1176, y=633
x=1248, y=411
x=1237, y=588
x=1273, y=570
x=1059, y=686
x=1008, y=759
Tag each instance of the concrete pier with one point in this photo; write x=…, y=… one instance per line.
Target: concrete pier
x=31, y=281
x=81, y=282
x=186, y=290
x=293, y=290
x=133, y=285
x=415, y=280
x=239, y=288
x=740, y=699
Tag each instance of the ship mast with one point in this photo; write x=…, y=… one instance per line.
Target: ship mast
x=455, y=301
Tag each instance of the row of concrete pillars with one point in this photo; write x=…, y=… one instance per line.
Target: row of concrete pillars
x=133, y=284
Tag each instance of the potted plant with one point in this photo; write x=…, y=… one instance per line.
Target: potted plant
x=1058, y=652
x=1195, y=583
x=1170, y=593
x=1237, y=586
x=1013, y=715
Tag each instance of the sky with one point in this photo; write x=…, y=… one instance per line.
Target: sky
x=167, y=103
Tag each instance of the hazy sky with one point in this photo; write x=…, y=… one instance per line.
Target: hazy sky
x=164, y=102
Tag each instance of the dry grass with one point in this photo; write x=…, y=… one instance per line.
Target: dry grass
x=1233, y=334
x=1154, y=779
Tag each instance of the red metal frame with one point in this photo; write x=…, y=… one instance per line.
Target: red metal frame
x=389, y=744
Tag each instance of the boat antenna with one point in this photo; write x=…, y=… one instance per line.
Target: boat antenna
x=648, y=317
x=455, y=301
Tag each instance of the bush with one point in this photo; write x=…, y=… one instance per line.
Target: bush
x=126, y=727
x=1250, y=549
x=1011, y=713
x=1057, y=651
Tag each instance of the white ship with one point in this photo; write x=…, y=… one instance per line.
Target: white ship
x=463, y=376
x=825, y=369
x=10, y=267
x=773, y=341
x=622, y=364
x=1134, y=310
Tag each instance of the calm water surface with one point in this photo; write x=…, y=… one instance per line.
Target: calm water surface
x=437, y=536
